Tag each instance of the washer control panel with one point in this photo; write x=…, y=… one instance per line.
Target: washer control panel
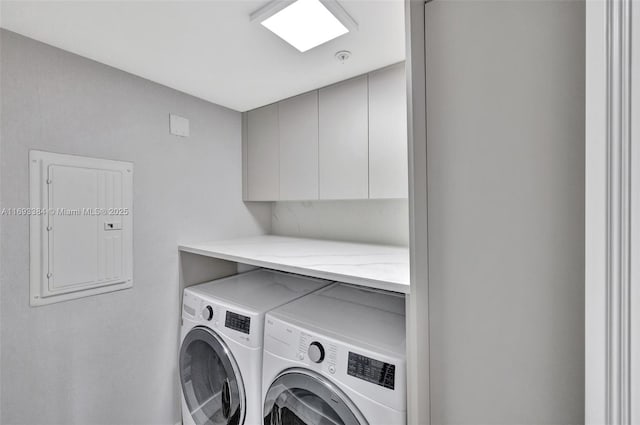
x=238, y=322
x=372, y=370
x=373, y=374
x=239, y=325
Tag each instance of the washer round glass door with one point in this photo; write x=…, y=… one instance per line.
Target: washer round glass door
x=211, y=383
x=302, y=397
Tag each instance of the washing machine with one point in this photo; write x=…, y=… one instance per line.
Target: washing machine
x=336, y=357
x=221, y=343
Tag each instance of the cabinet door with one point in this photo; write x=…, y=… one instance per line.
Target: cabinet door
x=298, y=119
x=343, y=141
x=263, y=154
x=388, y=170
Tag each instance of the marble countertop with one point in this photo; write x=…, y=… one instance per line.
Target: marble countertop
x=374, y=266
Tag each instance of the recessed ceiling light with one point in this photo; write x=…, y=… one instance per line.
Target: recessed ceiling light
x=305, y=24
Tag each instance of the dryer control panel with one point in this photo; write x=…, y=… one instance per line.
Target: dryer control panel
x=372, y=370
x=374, y=374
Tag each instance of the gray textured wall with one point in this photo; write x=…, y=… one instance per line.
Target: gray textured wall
x=109, y=359
x=505, y=120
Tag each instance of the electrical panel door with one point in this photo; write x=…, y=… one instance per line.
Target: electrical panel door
x=81, y=226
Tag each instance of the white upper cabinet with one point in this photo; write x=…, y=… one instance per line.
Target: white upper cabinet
x=343, y=140
x=298, y=119
x=388, y=169
x=263, y=157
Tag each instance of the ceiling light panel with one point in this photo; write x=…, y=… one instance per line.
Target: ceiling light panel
x=305, y=24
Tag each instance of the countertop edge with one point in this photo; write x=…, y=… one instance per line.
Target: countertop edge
x=356, y=280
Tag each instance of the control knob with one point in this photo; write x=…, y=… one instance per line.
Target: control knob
x=207, y=313
x=316, y=352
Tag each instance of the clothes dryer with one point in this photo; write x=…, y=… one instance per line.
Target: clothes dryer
x=336, y=357
x=221, y=344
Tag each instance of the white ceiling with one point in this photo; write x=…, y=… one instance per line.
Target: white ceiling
x=210, y=49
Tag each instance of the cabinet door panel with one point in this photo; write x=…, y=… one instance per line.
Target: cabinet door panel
x=343, y=141
x=298, y=119
x=263, y=154
x=388, y=175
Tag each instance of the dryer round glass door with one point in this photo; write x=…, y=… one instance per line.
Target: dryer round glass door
x=302, y=397
x=211, y=383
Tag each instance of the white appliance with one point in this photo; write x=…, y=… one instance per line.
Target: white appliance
x=335, y=357
x=221, y=344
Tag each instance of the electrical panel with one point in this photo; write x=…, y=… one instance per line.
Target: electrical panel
x=81, y=226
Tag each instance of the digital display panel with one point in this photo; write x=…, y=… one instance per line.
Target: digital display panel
x=372, y=370
x=237, y=322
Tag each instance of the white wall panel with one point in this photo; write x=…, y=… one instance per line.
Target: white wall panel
x=505, y=170
x=383, y=221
